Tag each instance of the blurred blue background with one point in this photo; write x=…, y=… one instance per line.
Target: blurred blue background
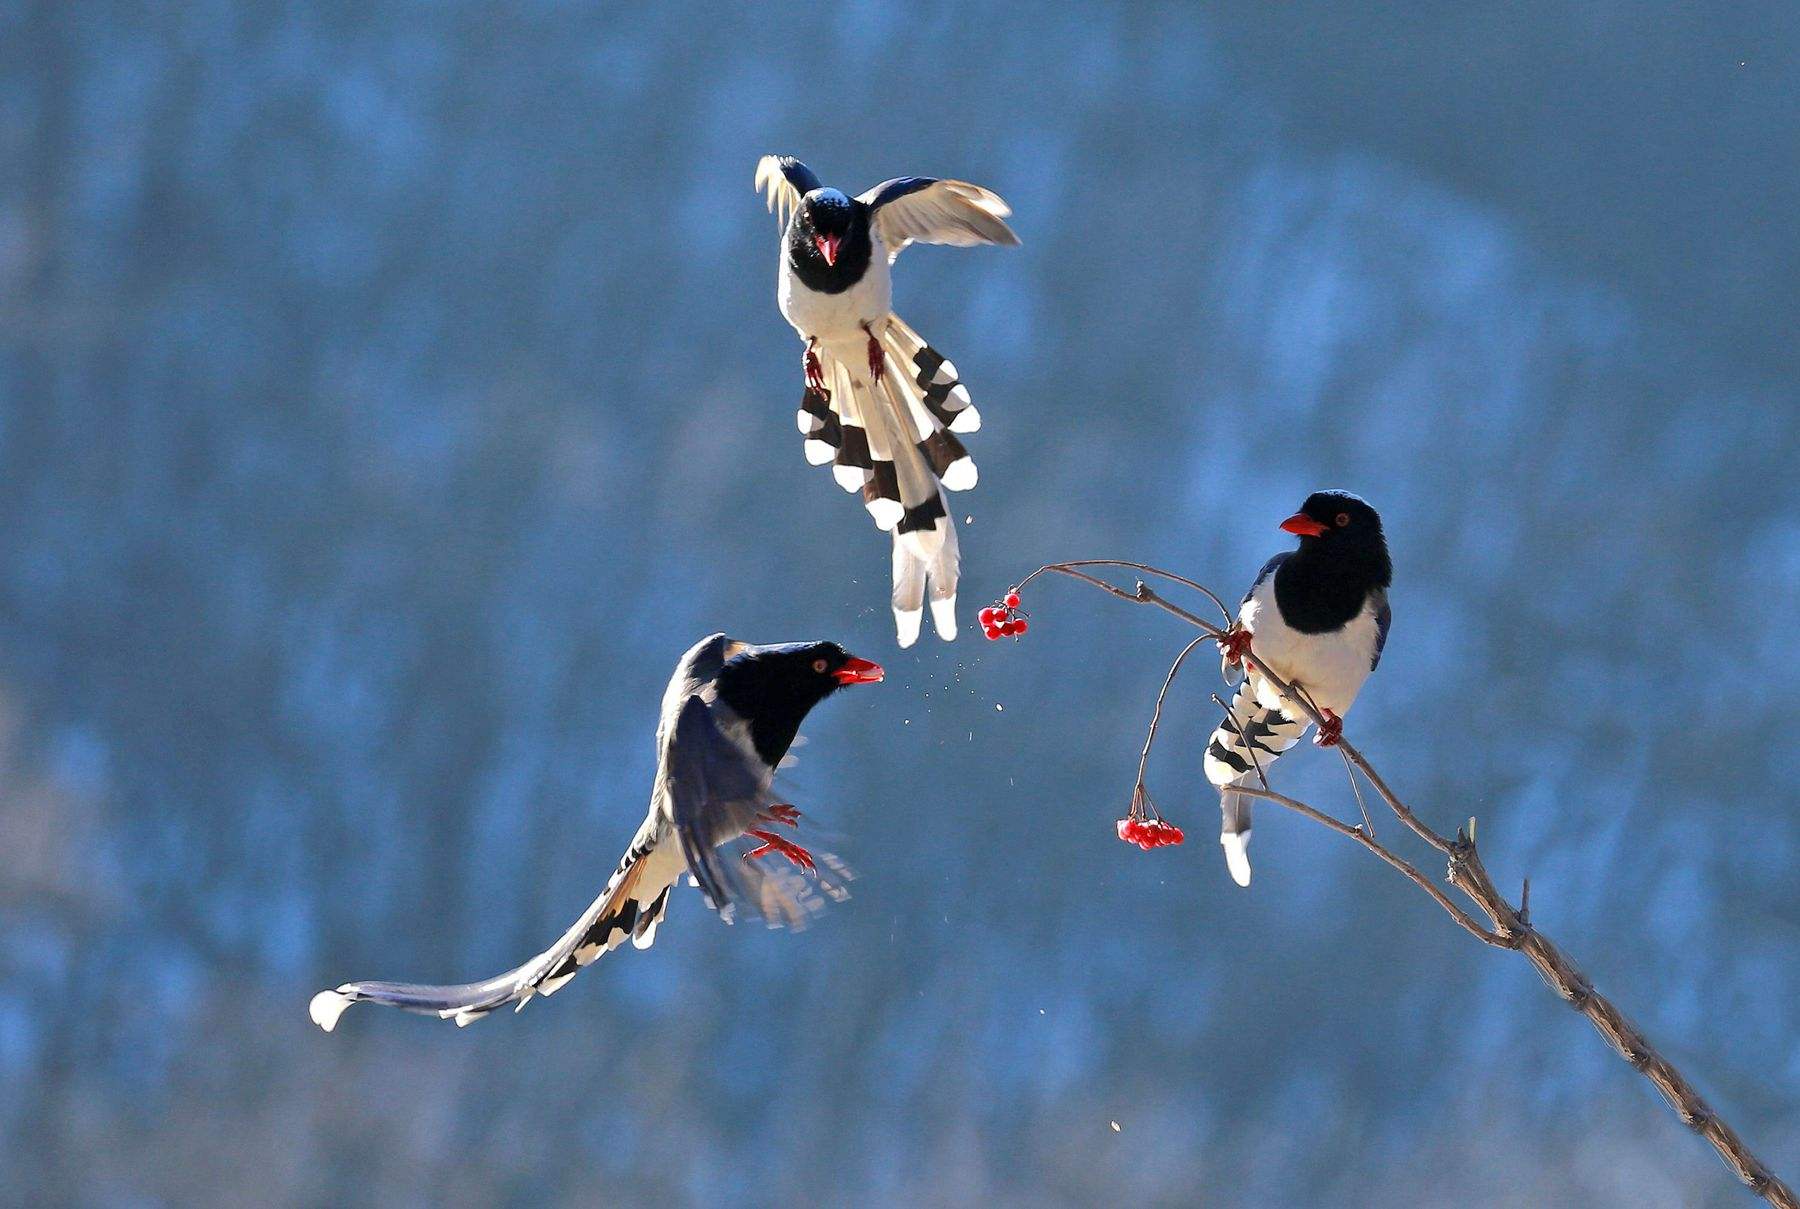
x=390, y=393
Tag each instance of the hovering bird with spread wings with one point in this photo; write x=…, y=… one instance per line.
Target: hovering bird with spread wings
x=1319, y=617
x=884, y=408
x=729, y=715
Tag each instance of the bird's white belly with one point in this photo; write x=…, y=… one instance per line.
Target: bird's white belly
x=838, y=319
x=1330, y=667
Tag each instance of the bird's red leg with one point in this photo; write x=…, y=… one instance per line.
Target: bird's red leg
x=783, y=847
x=780, y=813
x=1330, y=731
x=1235, y=644
x=815, y=373
x=877, y=362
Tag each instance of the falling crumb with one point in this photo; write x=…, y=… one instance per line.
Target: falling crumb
x=998, y=708
x=1040, y=1011
x=1115, y=1126
x=969, y=520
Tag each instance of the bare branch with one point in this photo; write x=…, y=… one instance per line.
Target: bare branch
x=1156, y=717
x=1509, y=927
x=1368, y=841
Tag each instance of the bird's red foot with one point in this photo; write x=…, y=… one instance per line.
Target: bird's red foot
x=1330, y=731
x=1235, y=644
x=780, y=813
x=815, y=373
x=781, y=847
x=877, y=362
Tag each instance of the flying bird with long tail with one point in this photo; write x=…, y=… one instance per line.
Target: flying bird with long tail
x=882, y=407
x=1318, y=616
x=729, y=715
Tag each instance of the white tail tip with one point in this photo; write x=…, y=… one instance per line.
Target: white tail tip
x=960, y=475
x=326, y=1007
x=967, y=420
x=1237, y=855
x=886, y=513
x=906, y=626
x=943, y=618
x=850, y=478
x=817, y=452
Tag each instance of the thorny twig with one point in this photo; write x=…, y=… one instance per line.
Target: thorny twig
x=1510, y=926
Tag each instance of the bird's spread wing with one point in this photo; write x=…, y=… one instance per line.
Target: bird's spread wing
x=715, y=795
x=1384, y=617
x=630, y=907
x=920, y=208
x=786, y=180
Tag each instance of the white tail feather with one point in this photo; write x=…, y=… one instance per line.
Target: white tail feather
x=1237, y=855
x=326, y=1007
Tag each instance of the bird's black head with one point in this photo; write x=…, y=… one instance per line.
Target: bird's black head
x=775, y=687
x=1339, y=528
x=829, y=240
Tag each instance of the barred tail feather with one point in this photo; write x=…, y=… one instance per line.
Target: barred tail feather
x=630, y=908
x=1249, y=739
x=894, y=439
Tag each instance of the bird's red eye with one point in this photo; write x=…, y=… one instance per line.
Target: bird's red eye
x=819, y=665
x=1343, y=518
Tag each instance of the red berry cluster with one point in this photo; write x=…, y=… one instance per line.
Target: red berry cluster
x=1149, y=833
x=1002, y=618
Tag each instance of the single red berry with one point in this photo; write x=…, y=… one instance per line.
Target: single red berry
x=1012, y=600
x=1020, y=626
x=987, y=617
x=992, y=632
x=1126, y=828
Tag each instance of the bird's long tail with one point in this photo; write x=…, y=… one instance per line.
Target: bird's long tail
x=630, y=907
x=893, y=436
x=1249, y=739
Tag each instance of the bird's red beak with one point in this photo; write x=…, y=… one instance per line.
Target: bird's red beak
x=828, y=247
x=1302, y=525
x=859, y=671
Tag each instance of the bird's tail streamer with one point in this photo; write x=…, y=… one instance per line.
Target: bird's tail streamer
x=1249, y=739
x=894, y=438
x=629, y=908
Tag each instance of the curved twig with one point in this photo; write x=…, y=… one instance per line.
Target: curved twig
x=1156, y=717
x=1463, y=918
x=1183, y=580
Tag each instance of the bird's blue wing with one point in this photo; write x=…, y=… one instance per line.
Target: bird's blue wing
x=1268, y=570
x=895, y=189
x=1384, y=617
x=786, y=180
x=929, y=210
x=715, y=795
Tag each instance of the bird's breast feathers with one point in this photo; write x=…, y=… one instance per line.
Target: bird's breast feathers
x=1331, y=666
x=838, y=317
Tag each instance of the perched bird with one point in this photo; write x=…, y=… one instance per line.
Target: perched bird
x=728, y=717
x=881, y=405
x=1318, y=617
